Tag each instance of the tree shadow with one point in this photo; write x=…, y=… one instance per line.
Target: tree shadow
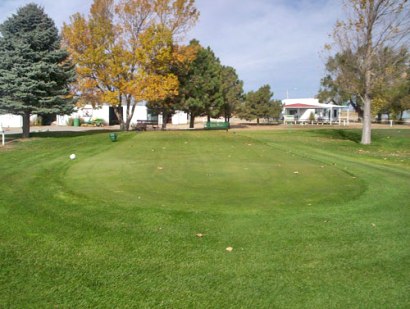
x=350, y=135
x=264, y=124
x=55, y=134
x=58, y=134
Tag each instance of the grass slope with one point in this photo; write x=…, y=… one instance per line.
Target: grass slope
x=116, y=227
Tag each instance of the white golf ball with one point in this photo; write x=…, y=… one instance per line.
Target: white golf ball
x=72, y=156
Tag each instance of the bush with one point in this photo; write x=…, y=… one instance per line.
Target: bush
x=98, y=122
x=70, y=121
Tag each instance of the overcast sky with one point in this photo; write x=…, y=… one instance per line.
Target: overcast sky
x=275, y=42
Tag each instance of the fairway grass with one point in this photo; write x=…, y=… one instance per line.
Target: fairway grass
x=315, y=220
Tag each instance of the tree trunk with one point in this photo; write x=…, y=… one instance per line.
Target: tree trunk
x=129, y=113
x=227, y=116
x=357, y=109
x=257, y=121
x=127, y=124
x=164, y=120
x=367, y=115
x=26, y=125
x=367, y=122
x=118, y=110
x=118, y=113
x=208, y=118
x=192, y=121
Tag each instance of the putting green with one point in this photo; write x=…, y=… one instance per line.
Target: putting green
x=214, y=171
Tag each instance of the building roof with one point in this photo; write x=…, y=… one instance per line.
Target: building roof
x=301, y=105
x=308, y=103
x=313, y=106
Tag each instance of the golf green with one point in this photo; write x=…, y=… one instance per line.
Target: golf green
x=208, y=172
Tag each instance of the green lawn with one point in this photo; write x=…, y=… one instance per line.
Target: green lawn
x=315, y=219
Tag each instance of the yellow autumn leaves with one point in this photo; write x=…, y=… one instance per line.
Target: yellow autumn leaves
x=128, y=48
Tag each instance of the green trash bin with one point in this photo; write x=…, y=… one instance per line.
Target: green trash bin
x=113, y=137
x=76, y=122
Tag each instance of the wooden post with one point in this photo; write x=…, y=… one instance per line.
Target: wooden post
x=3, y=139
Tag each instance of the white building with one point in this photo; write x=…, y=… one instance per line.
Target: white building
x=309, y=109
x=10, y=121
x=13, y=121
x=105, y=112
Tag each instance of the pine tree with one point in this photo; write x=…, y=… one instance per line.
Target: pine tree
x=200, y=88
x=34, y=71
x=232, y=91
x=259, y=104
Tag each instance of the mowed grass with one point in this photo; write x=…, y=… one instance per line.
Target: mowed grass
x=315, y=220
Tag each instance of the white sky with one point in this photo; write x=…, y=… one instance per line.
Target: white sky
x=275, y=42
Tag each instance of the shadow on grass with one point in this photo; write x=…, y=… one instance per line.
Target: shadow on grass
x=10, y=138
x=252, y=124
x=351, y=135
x=57, y=134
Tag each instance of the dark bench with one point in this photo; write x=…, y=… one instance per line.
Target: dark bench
x=142, y=125
x=213, y=125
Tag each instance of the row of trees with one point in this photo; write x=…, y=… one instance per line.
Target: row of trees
x=123, y=52
x=208, y=88
x=370, y=64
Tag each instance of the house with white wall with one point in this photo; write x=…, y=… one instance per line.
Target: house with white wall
x=107, y=114
x=104, y=112
x=10, y=121
x=302, y=110
x=13, y=121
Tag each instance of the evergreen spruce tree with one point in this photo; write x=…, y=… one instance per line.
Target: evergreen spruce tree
x=34, y=71
x=259, y=104
x=232, y=91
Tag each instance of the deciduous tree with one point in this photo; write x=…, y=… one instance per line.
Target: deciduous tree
x=370, y=26
x=401, y=98
x=342, y=82
x=183, y=55
x=124, y=50
x=394, y=98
